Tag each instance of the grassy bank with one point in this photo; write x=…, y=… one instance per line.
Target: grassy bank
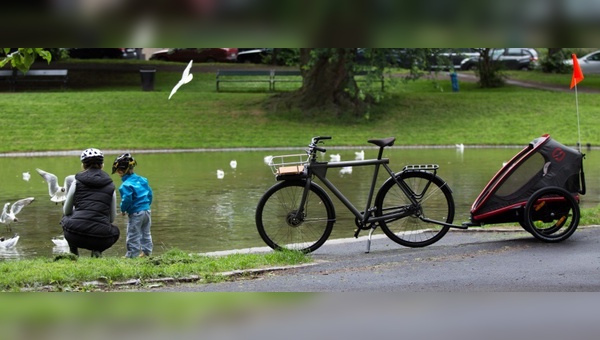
x=69, y=273
x=123, y=116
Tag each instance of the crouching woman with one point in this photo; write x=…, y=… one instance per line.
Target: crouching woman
x=91, y=207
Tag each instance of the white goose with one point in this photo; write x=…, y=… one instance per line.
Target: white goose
x=57, y=193
x=186, y=77
x=220, y=174
x=10, y=216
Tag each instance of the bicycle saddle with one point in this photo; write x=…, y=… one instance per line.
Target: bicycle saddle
x=383, y=142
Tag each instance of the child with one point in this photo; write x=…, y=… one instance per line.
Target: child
x=136, y=198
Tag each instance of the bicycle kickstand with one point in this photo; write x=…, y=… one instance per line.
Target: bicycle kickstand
x=371, y=230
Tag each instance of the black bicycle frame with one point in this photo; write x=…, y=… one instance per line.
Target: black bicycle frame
x=319, y=170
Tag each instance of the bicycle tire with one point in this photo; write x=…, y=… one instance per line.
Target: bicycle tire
x=276, y=208
x=435, y=202
x=552, y=214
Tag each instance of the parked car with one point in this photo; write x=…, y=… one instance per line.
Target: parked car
x=198, y=55
x=451, y=57
x=404, y=58
x=102, y=53
x=589, y=63
x=253, y=55
x=508, y=58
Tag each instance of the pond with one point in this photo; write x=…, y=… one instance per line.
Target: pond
x=196, y=211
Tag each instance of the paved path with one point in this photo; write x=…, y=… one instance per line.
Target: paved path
x=470, y=77
x=468, y=261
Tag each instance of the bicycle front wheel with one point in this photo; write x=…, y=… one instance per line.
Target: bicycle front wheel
x=283, y=224
x=435, y=202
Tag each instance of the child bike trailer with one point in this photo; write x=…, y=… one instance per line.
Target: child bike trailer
x=538, y=188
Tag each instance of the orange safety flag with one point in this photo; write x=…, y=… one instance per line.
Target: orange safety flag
x=577, y=74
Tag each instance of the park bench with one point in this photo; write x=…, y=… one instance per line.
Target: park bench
x=255, y=76
x=295, y=76
x=14, y=77
x=274, y=76
x=286, y=76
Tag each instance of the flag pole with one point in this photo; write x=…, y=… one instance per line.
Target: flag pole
x=576, y=78
x=578, y=125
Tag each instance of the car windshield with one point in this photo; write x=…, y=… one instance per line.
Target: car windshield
x=497, y=52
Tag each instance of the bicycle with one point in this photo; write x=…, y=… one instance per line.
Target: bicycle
x=413, y=207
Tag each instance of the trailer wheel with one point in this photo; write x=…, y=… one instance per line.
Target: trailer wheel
x=551, y=214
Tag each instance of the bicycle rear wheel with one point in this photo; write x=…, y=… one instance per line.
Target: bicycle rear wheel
x=280, y=225
x=435, y=202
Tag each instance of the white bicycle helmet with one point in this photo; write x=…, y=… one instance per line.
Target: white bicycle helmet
x=92, y=154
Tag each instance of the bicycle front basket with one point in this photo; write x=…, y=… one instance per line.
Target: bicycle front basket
x=288, y=164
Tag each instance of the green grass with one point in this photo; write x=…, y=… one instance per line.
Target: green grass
x=69, y=273
x=123, y=116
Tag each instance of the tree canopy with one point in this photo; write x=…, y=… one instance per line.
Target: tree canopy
x=23, y=57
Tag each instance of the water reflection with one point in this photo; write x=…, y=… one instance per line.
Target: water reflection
x=195, y=211
x=10, y=253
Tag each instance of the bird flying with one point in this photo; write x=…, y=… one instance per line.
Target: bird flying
x=10, y=216
x=186, y=77
x=57, y=193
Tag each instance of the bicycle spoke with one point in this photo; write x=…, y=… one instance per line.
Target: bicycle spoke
x=282, y=223
x=434, y=202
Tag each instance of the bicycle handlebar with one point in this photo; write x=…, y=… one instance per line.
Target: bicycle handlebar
x=319, y=138
x=312, y=147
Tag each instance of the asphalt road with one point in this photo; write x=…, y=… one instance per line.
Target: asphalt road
x=471, y=261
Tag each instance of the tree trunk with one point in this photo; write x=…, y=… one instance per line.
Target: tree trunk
x=489, y=72
x=328, y=83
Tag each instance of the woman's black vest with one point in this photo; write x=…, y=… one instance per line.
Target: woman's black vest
x=91, y=205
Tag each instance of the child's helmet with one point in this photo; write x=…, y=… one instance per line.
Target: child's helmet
x=92, y=155
x=124, y=162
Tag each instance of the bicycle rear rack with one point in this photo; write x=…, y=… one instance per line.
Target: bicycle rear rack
x=424, y=167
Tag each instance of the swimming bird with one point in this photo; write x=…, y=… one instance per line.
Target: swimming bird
x=9, y=217
x=346, y=170
x=186, y=77
x=460, y=146
x=335, y=157
x=233, y=164
x=57, y=193
x=268, y=159
x=9, y=242
x=60, y=241
x=359, y=155
x=220, y=174
x=26, y=176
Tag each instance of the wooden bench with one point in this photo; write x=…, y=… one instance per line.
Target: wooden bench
x=286, y=76
x=276, y=76
x=14, y=77
x=256, y=76
x=362, y=77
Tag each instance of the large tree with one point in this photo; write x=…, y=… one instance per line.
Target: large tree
x=328, y=82
x=329, y=85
